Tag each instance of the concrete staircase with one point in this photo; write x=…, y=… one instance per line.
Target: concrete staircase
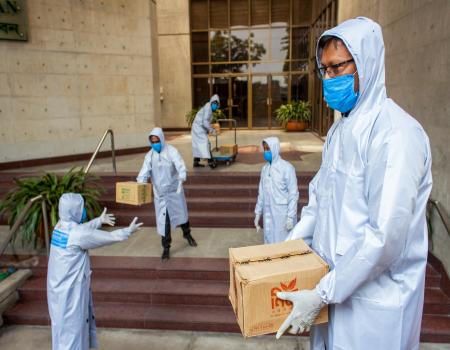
x=189, y=293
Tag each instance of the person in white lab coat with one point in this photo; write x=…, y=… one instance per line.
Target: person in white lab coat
x=201, y=147
x=277, y=195
x=366, y=210
x=69, y=296
x=165, y=167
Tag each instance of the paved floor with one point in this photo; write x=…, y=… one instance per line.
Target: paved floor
x=39, y=338
x=306, y=142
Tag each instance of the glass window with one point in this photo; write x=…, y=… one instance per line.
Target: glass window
x=270, y=67
x=239, y=13
x=301, y=12
x=280, y=12
x=300, y=43
x=200, y=47
x=199, y=9
x=279, y=93
x=221, y=68
x=260, y=93
x=299, y=87
x=219, y=45
x=299, y=65
x=239, y=45
x=259, y=44
x=218, y=12
x=259, y=12
x=201, y=92
x=200, y=69
x=280, y=43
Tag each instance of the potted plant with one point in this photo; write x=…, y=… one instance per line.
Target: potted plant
x=294, y=116
x=217, y=114
x=51, y=186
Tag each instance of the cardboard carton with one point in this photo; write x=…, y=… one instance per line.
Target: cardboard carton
x=133, y=193
x=228, y=149
x=257, y=273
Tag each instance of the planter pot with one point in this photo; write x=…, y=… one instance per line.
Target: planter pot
x=217, y=127
x=295, y=125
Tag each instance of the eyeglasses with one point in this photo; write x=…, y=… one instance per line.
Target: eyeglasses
x=334, y=69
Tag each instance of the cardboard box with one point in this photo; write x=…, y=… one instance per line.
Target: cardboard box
x=257, y=273
x=133, y=193
x=228, y=149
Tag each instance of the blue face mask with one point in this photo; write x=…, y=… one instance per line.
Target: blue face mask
x=214, y=107
x=339, y=92
x=157, y=147
x=268, y=156
x=83, y=216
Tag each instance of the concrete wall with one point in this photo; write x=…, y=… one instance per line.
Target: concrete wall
x=88, y=65
x=417, y=44
x=175, y=61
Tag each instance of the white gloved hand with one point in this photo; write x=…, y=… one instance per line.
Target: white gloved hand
x=134, y=226
x=180, y=186
x=289, y=224
x=257, y=217
x=213, y=132
x=307, y=305
x=108, y=219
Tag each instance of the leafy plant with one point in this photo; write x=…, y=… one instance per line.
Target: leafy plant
x=217, y=114
x=297, y=110
x=51, y=186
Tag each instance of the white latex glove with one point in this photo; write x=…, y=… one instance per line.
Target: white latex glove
x=306, y=306
x=257, y=217
x=134, y=226
x=180, y=186
x=289, y=224
x=108, y=219
x=213, y=132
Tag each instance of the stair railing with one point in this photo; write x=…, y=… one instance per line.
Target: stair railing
x=21, y=218
x=113, y=151
x=444, y=218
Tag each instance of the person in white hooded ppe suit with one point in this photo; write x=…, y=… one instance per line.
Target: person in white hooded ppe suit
x=69, y=296
x=201, y=147
x=366, y=210
x=165, y=167
x=277, y=195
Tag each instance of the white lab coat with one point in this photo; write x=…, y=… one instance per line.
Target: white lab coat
x=165, y=169
x=277, y=195
x=69, y=275
x=201, y=126
x=366, y=212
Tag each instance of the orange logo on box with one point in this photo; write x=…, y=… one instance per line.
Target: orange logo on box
x=290, y=287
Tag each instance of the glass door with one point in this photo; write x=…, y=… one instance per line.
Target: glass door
x=279, y=93
x=238, y=104
x=260, y=101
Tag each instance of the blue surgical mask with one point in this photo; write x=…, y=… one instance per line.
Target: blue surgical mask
x=83, y=216
x=157, y=147
x=214, y=107
x=268, y=156
x=339, y=92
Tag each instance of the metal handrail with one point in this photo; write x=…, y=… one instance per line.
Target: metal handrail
x=441, y=213
x=20, y=219
x=113, y=151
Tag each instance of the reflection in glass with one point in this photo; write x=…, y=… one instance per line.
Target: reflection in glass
x=201, y=92
x=301, y=12
x=300, y=43
x=299, y=87
x=238, y=13
x=279, y=94
x=218, y=12
x=259, y=44
x=260, y=93
x=299, y=65
x=200, y=47
x=280, y=12
x=220, y=87
x=239, y=107
x=200, y=69
x=270, y=67
x=239, y=45
x=198, y=10
x=260, y=12
x=280, y=43
x=221, y=68
x=219, y=45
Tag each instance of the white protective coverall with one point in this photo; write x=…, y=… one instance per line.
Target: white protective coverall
x=69, y=296
x=277, y=195
x=366, y=211
x=200, y=129
x=165, y=170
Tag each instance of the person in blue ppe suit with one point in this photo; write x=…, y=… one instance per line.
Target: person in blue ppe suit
x=201, y=126
x=366, y=210
x=69, y=296
x=277, y=195
x=165, y=167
